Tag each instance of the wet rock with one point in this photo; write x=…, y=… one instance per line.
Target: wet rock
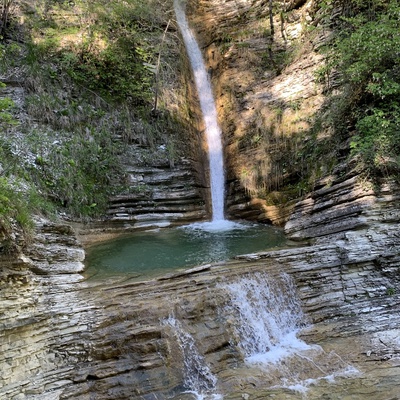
x=108, y=338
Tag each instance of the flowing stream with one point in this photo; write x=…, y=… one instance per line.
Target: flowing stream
x=266, y=320
x=198, y=378
x=207, y=104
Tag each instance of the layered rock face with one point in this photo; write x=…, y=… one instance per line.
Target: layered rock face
x=267, y=92
x=159, y=195
x=64, y=337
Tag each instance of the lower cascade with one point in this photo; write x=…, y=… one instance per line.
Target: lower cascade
x=265, y=319
x=198, y=379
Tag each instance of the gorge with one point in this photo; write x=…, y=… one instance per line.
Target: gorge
x=316, y=319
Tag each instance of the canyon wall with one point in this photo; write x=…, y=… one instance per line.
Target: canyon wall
x=267, y=93
x=65, y=337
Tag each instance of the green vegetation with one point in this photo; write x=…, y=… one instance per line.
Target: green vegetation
x=366, y=54
x=13, y=210
x=113, y=55
x=88, y=74
x=359, y=124
x=6, y=105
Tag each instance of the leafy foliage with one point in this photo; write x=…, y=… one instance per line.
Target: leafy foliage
x=6, y=107
x=109, y=50
x=6, y=118
x=13, y=208
x=75, y=172
x=367, y=55
x=88, y=78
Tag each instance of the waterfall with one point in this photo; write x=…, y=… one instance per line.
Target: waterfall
x=207, y=104
x=198, y=379
x=265, y=317
x=268, y=317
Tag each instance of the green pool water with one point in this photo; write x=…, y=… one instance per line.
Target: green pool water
x=148, y=254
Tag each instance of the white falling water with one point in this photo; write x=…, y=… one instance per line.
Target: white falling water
x=198, y=378
x=207, y=104
x=266, y=318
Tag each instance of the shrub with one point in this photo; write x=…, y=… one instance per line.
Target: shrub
x=14, y=208
x=367, y=56
x=6, y=106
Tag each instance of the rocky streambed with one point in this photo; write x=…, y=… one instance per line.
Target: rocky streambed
x=66, y=337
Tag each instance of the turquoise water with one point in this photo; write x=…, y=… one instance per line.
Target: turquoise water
x=148, y=254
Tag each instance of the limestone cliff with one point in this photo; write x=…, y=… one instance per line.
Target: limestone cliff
x=67, y=338
x=267, y=92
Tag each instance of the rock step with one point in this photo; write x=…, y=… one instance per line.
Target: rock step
x=158, y=196
x=166, y=197
x=55, y=249
x=106, y=339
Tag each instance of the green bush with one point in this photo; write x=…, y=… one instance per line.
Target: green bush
x=78, y=173
x=113, y=52
x=366, y=53
x=378, y=140
x=14, y=208
x=6, y=106
x=116, y=73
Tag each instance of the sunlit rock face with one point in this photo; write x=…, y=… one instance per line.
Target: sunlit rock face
x=344, y=205
x=265, y=100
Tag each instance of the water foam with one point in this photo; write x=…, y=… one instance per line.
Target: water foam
x=287, y=346
x=220, y=225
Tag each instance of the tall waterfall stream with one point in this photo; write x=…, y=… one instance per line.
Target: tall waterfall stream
x=150, y=253
x=209, y=112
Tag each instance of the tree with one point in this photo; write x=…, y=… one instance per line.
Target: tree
x=368, y=60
